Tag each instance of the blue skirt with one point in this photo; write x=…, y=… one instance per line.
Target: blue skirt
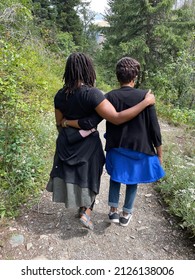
x=132, y=167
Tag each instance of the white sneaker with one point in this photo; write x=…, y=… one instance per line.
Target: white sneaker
x=113, y=217
x=124, y=220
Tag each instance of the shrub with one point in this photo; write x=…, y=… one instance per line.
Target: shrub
x=28, y=84
x=177, y=188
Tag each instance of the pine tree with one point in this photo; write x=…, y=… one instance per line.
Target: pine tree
x=60, y=15
x=149, y=30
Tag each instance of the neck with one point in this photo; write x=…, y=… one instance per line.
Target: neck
x=130, y=84
x=80, y=83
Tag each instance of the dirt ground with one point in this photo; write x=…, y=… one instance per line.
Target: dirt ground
x=49, y=231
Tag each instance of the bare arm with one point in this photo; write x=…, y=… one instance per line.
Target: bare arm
x=60, y=121
x=159, y=153
x=155, y=132
x=58, y=117
x=106, y=110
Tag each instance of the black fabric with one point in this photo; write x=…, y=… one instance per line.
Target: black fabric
x=90, y=122
x=78, y=160
x=80, y=104
x=142, y=133
x=72, y=135
x=80, y=163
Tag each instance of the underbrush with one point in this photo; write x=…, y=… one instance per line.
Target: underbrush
x=24, y=166
x=178, y=187
x=175, y=115
x=29, y=80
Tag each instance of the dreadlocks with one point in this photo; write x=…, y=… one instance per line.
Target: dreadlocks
x=127, y=69
x=79, y=69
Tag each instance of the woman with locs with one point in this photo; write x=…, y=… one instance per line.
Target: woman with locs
x=79, y=156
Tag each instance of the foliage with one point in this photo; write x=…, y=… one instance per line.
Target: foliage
x=87, y=17
x=133, y=33
x=64, y=44
x=175, y=115
x=175, y=84
x=28, y=83
x=178, y=187
x=23, y=164
x=55, y=16
x=162, y=40
x=15, y=20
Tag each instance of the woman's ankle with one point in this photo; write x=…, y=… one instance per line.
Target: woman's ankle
x=88, y=211
x=125, y=214
x=113, y=209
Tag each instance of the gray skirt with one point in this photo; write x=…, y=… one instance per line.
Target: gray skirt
x=71, y=194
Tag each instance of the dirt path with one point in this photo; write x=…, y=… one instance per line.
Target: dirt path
x=49, y=231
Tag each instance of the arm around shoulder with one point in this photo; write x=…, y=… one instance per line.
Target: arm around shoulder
x=107, y=111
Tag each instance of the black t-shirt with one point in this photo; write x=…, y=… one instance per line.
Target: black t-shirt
x=80, y=104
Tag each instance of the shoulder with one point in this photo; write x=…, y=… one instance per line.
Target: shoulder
x=111, y=94
x=141, y=92
x=96, y=91
x=97, y=95
x=138, y=94
x=93, y=91
x=93, y=95
x=127, y=95
x=60, y=92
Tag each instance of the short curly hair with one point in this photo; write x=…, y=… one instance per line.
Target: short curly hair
x=127, y=69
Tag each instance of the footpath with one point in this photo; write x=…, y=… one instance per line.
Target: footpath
x=48, y=231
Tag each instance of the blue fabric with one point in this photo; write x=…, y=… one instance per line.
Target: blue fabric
x=114, y=194
x=132, y=167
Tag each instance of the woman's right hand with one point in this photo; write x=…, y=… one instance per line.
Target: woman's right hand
x=150, y=98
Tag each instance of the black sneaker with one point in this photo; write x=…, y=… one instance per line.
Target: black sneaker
x=113, y=217
x=124, y=220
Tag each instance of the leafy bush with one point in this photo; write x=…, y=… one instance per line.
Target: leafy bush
x=28, y=82
x=174, y=84
x=176, y=115
x=177, y=188
x=24, y=164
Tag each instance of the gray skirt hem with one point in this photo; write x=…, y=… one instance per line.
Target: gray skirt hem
x=72, y=195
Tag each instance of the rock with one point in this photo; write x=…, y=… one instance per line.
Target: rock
x=28, y=246
x=141, y=228
x=148, y=195
x=43, y=236
x=16, y=240
x=166, y=248
x=12, y=229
